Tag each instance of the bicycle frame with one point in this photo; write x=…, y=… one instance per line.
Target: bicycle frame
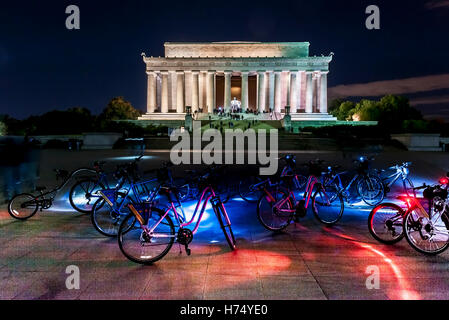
x=209, y=191
x=133, y=189
x=311, y=182
x=55, y=190
x=342, y=189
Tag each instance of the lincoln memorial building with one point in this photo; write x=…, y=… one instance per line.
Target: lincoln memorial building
x=261, y=79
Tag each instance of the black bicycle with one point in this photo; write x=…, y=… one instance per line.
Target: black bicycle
x=25, y=205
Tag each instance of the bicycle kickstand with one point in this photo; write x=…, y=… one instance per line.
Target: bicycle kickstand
x=188, y=251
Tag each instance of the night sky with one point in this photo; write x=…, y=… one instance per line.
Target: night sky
x=44, y=66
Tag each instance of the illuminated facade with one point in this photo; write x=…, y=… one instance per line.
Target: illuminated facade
x=264, y=76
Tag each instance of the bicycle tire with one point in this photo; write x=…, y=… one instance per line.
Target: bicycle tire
x=444, y=218
x=122, y=232
x=16, y=216
x=288, y=218
x=72, y=191
x=95, y=218
x=316, y=211
x=376, y=235
x=380, y=194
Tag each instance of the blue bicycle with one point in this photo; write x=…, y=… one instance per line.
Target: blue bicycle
x=112, y=207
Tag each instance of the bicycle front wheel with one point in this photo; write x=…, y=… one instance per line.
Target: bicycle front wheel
x=83, y=196
x=326, y=211
x=385, y=223
x=427, y=235
x=225, y=224
x=106, y=218
x=371, y=189
x=275, y=210
x=144, y=247
x=22, y=206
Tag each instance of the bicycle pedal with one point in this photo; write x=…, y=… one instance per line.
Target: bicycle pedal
x=188, y=251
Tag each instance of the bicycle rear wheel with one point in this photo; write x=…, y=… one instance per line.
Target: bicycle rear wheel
x=427, y=235
x=327, y=211
x=275, y=217
x=225, y=224
x=140, y=246
x=82, y=195
x=22, y=206
x=385, y=223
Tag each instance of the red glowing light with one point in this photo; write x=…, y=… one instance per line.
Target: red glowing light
x=444, y=180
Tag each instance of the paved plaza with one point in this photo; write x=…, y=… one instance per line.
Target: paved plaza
x=307, y=261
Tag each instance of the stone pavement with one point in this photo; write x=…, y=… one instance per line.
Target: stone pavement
x=308, y=261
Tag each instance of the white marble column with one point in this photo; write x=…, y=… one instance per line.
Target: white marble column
x=180, y=92
x=151, y=92
x=245, y=100
x=293, y=99
x=271, y=90
x=164, y=90
x=202, y=90
x=277, y=91
x=210, y=86
x=309, y=92
x=261, y=91
x=323, y=92
x=227, y=89
x=300, y=90
x=195, y=91
x=315, y=92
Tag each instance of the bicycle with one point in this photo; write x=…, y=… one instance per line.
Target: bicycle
x=25, y=205
x=386, y=220
x=111, y=207
x=400, y=171
x=369, y=187
x=427, y=231
x=189, y=188
x=83, y=193
x=389, y=223
x=248, y=187
x=277, y=208
x=147, y=234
